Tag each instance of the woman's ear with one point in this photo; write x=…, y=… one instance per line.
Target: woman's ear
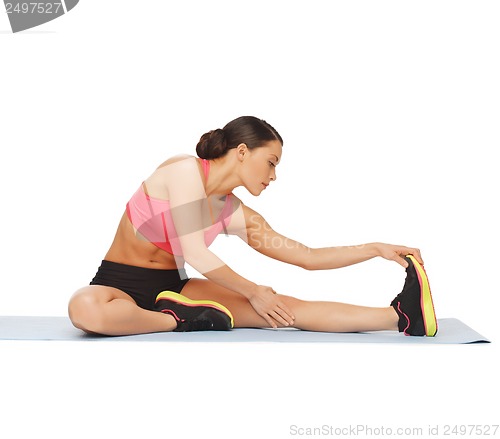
x=241, y=151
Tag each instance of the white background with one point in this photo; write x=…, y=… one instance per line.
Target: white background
x=389, y=111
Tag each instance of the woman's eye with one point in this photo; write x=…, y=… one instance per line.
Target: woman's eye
x=272, y=164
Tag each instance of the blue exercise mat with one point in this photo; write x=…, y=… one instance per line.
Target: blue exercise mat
x=451, y=331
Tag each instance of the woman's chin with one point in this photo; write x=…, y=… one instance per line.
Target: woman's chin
x=255, y=192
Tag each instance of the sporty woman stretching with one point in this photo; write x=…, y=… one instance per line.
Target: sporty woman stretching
x=141, y=285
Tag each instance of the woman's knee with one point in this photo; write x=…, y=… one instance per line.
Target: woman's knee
x=84, y=311
x=292, y=302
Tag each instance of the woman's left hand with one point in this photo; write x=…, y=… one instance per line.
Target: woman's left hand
x=397, y=253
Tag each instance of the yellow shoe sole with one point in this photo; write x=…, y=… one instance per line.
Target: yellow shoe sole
x=426, y=303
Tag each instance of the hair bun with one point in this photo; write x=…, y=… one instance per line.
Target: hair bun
x=212, y=145
x=250, y=130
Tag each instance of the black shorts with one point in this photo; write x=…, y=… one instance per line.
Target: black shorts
x=142, y=284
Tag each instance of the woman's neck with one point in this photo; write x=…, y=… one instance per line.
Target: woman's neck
x=222, y=178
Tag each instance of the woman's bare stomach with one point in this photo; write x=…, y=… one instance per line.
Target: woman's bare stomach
x=128, y=248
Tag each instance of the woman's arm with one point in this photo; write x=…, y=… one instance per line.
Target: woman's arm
x=264, y=239
x=336, y=257
x=262, y=298
x=187, y=206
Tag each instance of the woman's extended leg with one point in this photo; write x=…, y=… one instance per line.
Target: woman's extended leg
x=309, y=315
x=109, y=311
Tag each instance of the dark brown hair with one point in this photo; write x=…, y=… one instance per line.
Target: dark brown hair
x=250, y=130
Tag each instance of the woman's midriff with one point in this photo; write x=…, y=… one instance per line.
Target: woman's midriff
x=129, y=248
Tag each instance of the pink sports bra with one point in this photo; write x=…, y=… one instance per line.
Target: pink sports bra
x=151, y=217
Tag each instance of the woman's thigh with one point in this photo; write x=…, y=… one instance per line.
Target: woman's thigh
x=99, y=294
x=243, y=313
x=86, y=302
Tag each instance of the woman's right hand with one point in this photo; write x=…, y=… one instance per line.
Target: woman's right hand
x=269, y=305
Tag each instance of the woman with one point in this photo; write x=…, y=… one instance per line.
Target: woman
x=141, y=285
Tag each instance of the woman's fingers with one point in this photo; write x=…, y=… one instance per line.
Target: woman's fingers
x=398, y=253
x=286, y=313
x=271, y=307
x=280, y=318
x=282, y=314
x=269, y=320
x=416, y=252
x=401, y=261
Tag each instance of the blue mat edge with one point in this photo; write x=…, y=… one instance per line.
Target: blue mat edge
x=68, y=333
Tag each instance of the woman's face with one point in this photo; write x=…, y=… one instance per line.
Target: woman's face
x=259, y=166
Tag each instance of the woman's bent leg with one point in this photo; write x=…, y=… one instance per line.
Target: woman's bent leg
x=109, y=311
x=309, y=315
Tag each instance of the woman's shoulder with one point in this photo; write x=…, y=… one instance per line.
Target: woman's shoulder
x=178, y=166
x=180, y=172
x=187, y=158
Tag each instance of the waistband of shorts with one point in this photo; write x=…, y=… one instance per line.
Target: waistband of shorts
x=133, y=269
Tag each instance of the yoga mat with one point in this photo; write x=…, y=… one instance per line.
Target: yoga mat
x=451, y=331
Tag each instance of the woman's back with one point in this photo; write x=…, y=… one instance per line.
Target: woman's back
x=147, y=226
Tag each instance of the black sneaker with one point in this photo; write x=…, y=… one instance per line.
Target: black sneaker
x=194, y=315
x=414, y=304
